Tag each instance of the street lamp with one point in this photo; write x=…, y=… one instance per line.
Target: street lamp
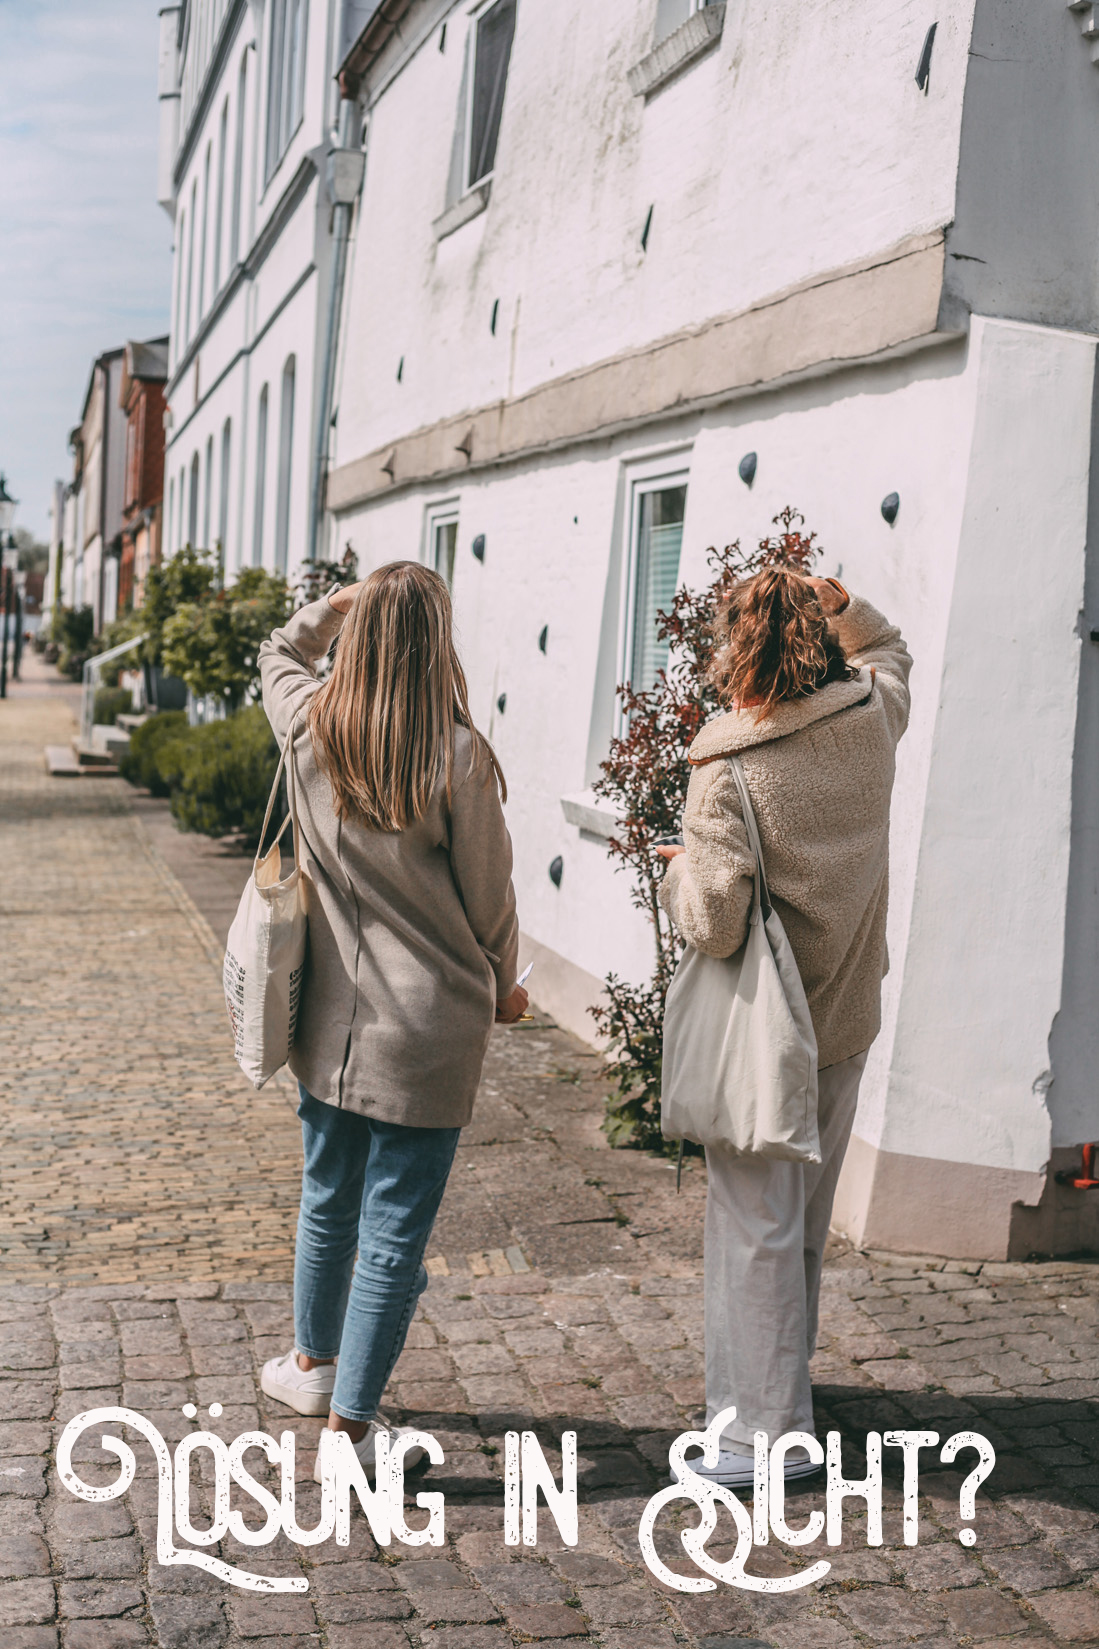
x=7, y=550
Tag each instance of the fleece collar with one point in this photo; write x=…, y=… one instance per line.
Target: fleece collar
x=737, y=729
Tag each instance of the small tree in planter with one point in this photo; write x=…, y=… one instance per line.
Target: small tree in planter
x=213, y=643
x=645, y=778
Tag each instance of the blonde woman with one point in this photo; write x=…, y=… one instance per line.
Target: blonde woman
x=412, y=956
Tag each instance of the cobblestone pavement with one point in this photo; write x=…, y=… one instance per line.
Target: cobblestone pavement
x=148, y=1199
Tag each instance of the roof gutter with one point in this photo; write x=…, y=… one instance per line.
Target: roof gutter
x=371, y=25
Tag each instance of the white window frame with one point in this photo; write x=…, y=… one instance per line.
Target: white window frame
x=657, y=474
x=475, y=14
x=441, y=512
x=693, y=6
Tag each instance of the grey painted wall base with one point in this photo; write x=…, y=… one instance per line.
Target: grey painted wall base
x=923, y=1205
x=1063, y=1222
x=561, y=988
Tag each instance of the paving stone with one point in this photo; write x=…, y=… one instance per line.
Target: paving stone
x=32, y=1637
x=26, y=1602
x=259, y=1614
x=187, y=1622
x=1073, y=1616
x=982, y=1613
x=885, y=1618
x=22, y=1556
x=547, y=1620
x=382, y=1636
x=88, y=1599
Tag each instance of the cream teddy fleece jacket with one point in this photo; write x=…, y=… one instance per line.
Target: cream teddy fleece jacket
x=819, y=771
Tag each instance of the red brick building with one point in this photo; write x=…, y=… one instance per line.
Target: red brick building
x=144, y=372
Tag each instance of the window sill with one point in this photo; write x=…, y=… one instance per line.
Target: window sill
x=591, y=814
x=692, y=39
x=463, y=211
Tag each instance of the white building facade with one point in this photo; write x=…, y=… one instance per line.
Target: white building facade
x=605, y=253
x=249, y=104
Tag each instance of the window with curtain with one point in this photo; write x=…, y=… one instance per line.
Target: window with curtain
x=177, y=330
x=190, y=263
x=285, y=76
x=207, y=493
x=261, y=479
x=494, y=32
x=658, y=538
x=238, y=164
x=286, y=452
x=192, y=505
x=219, y=199
x=223, y=496
x=202, y=241
x=442, y=540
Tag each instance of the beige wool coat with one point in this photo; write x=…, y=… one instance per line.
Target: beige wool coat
x=412, y=934
x=819, y=771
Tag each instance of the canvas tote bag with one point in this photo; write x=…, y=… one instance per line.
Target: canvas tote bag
x=740, y=1052
x=265, y=951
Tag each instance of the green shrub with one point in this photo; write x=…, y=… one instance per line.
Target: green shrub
x=213, y=644
x=110, y=703
x=148, y=743
x=221, y=775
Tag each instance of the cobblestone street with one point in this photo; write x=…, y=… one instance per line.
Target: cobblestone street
x=147, y=1220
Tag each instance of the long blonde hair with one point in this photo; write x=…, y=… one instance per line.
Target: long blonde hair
x=383, y=723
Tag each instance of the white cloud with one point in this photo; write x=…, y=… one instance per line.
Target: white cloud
x=84, y=248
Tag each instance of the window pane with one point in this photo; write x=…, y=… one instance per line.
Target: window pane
x=446, y=539
x=495, y=30
x=659, y=540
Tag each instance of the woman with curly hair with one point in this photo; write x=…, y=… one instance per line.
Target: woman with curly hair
x=815, y=684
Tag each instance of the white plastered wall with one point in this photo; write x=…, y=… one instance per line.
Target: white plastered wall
x=981, y=974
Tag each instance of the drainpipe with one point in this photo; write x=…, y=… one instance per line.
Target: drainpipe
x=343, y=176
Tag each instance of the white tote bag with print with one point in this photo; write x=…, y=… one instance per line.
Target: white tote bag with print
x=740, y=1052
x=265, y=951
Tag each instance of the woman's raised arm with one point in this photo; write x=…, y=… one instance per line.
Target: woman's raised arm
x=288, y=660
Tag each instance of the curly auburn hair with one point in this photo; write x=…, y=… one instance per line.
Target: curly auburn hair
x=773, y=642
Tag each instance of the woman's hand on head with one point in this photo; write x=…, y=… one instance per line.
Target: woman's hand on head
x=830, y=593
x=671, y=851
x=343, y=599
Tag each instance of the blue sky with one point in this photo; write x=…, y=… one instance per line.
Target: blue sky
x=84, y=248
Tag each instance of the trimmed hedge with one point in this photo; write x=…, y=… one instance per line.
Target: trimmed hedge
x=110, y=703
x=141, y=762
x=221, y=775
x=218, y=776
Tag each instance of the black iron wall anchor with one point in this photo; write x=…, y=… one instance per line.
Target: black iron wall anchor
x=923, y=67
x=1082, y=1178
x=543, y=637
x=478, y=547
x=502, y=703
x=556, y=870
x=890, y=507
x=746, y=469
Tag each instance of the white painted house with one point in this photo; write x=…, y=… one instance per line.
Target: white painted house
x=253, y=175
x=603, y=253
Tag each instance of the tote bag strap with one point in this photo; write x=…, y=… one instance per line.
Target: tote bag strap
x=762, y=895
x=286, y=759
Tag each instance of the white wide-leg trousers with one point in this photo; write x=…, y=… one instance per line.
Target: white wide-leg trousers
x=766, y=1227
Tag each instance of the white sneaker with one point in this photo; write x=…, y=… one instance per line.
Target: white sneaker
x=287, y=1382
x=364, y=1449
x=738, y=1471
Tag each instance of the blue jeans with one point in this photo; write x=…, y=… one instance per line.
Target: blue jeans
x=375, y=1187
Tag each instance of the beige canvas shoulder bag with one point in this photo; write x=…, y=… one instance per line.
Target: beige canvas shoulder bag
x=740, y=1052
